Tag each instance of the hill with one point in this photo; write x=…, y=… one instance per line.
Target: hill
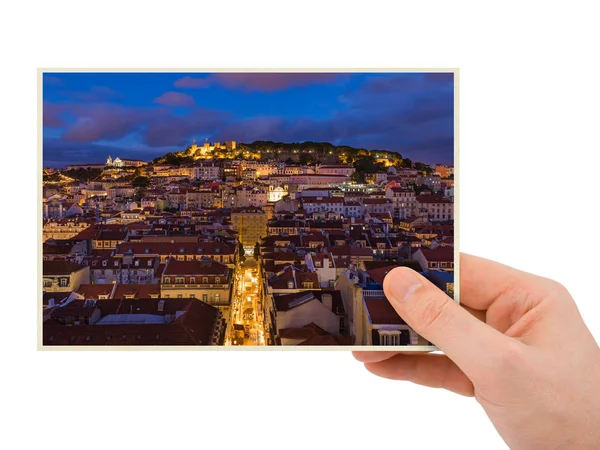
x=308, y=152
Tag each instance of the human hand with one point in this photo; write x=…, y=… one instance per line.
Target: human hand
x=517, y=343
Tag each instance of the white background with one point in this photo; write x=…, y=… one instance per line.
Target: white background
x=529, y=101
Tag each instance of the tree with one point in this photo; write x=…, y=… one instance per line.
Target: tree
x=241, y=253
x=142, y=182
x=140, y=193
x=407, y=163
x=423, y=168
x=358, y=177
x=306, y=159
x=256, y=251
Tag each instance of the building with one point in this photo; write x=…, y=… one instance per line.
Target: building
x=336, y=169
x=436, y=208
x=372, y=320
x=444, y=171
x=96, y=166
x=166, y=247
x=250, y=224
x=433, y=182
x=61, y=229
x=134, y=322
x=118, y=162
x=404, y=201
x=376, y=178
x=207, y=172
x=441, y=258
x=64, y=276
x=305, y=315
x=276, y=193
x=204, y=279
x=246, y=196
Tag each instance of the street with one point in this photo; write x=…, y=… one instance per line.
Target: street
x=245, y=308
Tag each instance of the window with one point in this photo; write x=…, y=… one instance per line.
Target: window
x=136, y=263
x=180, y=280
x=217, y=280
x=204, y=280
x=167, y=280
x=64, y=282
x=217, y=298
x=388, y=338
x=205, y=297
x=179, y=295
x=192, y=280
x=192, y=295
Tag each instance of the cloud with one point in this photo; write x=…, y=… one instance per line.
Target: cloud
x=60, y=153
x=188, y=82
x=257, y=81
x=52, y=80
x=52, y=115
x=106, y=121
x=177, y=130
x=175, y=99
x=95, y=94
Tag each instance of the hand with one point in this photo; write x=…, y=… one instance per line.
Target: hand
x=517, y=343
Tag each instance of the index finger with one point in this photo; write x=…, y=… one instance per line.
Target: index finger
x=482, y=282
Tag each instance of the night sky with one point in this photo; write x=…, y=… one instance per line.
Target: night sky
x=88, y=116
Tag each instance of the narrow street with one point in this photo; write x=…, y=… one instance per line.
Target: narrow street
x=246, y=309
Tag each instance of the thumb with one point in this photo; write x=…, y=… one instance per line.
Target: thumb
x=465, y=339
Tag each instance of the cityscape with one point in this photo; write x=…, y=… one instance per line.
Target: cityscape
x=159, y=229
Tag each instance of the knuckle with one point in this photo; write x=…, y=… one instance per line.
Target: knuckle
x=512, y=354
x=433, y=312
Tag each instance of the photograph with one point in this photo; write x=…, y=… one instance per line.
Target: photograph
x=242, y=209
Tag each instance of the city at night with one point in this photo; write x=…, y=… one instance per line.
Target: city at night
x=242, y=208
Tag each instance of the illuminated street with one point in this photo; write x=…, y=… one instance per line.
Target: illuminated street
x=246, y=304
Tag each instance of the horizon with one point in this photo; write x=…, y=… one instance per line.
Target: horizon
x=144, y=115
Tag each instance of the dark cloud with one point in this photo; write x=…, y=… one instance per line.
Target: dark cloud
x=60, y=153
x=95, y=94
x=409, y=113
x=52, y=115
x=175, y=99
x=106, y=121
x=262, y=82
x=177, y=130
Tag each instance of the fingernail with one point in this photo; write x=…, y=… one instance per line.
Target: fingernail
x=400, y=284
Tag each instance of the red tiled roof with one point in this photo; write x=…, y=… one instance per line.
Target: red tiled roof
x=305, y=332
x=347, y=250
x=430, y=198
x=138, y=290
x=328, y=340
x=193, y=267
x=93, y=291
x=60, y=267
x=194, y=327
x=442, y=253
x=381, y=311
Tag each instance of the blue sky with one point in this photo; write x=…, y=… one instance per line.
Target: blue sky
x=88, y=116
